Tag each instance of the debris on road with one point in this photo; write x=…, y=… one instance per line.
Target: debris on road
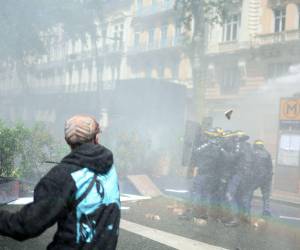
x=178, y=211
x=152, y=217
x=176, y=208
x=200, y=222
x=259, y=224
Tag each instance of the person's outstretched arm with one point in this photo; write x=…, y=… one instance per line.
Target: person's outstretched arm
x=50, y=202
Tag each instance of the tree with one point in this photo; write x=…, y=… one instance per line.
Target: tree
x=131, y=153
x=28, y=27
x=9, y=148
x=196, y=15
x=36, y=147
x=23, y=150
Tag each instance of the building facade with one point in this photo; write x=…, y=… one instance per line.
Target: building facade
x=250, y=60
x=155, y=45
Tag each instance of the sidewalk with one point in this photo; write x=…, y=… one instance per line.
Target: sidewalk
x=292, y=199
x=180, y=183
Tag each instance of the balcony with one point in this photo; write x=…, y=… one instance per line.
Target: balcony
x=227, y=47
x=164, y=44
x=108, y=50
x=155, y=8
x=275, y=38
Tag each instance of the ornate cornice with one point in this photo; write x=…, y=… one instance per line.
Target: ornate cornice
x=278, y=3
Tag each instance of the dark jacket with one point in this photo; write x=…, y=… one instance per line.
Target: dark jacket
x=93, y=223
x=206, y=158
x=244, y=160
x=262, y=163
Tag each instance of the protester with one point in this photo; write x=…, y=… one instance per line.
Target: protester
x=80, y=194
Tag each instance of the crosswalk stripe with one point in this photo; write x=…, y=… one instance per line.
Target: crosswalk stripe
x=289, y=218
x=171, y=240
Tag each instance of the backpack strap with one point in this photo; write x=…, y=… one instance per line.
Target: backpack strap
x=86, y=192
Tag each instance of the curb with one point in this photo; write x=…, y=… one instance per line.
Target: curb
x=282, y=201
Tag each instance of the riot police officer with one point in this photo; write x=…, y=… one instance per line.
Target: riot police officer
x=241, y=158
x=262, y=177
x=205, y=158
x=225, y=171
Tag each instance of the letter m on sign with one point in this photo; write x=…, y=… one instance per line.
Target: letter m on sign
x=290, y=109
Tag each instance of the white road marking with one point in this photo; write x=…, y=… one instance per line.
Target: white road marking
x=131, y=197
x=125, y=208
x=124, y=197
x=22, y=201
x=168, y=239
x=289, y=218
x=177, y=191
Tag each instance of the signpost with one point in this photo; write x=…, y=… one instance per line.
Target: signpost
x=287, y=176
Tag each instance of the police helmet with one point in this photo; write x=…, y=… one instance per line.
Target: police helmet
x=258, y=144
x=211, y=133
x=241, y=135
x=219, y=131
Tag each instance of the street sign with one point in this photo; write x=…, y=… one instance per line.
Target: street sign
x=290, y=110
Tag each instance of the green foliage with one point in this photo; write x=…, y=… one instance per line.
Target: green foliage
x=9, y=148
x=23, y=150
x=215, y=11
x=131, y=154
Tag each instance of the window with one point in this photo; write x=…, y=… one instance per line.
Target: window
x=175, y=70
x=231, y=28
x=139, y=5
x=289, y=150
x=276, y=70
x=160, y=71
x=168, y=4
x=121, y=35
x=230, y=81
x=178, y=29
x=148, y=72
x=178, y=34
x=151, y=38
x=78, y=46
x=279, y=15
x=118, y=36
x=164, y=34
x=136, y=39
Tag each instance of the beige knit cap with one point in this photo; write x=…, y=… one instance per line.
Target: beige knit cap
x=81, y=129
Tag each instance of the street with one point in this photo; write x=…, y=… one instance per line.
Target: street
x=139, y=230
x=181, y=107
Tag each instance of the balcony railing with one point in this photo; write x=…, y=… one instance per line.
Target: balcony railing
x=155, y=8
x=108, y=50
x=157, y=45
x=280, y=37
x=227, y=47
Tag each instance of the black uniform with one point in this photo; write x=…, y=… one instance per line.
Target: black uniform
x=205, y=183
x=239, y=182
x=261, y=177
x=93, y=223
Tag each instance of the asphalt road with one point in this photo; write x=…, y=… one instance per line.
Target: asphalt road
x=291, y=213
x=277, y=235
x=127, y=240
